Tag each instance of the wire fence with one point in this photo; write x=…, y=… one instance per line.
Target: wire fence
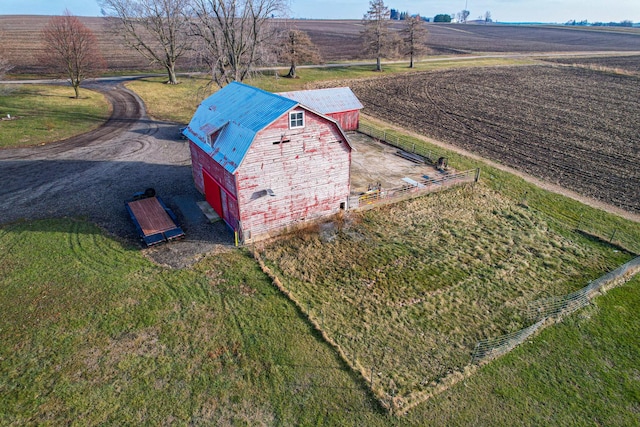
x=403, y=142
x=380, y=384
x=614, y=234
x=552, y=308
x=491, y=348
x=383, y=195
x=427, y=185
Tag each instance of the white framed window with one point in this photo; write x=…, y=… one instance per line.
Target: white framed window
x=296, y=119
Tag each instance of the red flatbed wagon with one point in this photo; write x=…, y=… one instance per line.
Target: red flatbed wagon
x=155, y=222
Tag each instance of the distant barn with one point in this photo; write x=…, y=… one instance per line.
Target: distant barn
x=339, y=103
x=266, y=162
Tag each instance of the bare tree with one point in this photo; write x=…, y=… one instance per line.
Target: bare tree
x=463, y=15
x=487, y=17
x=70, y=49
x=377, y=38
x=414, y=35
x=232, y=35
x=298, y=48
x=5, y=66
x=157, y=29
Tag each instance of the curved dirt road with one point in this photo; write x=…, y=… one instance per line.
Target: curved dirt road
x=91, y=175
x=126, y=107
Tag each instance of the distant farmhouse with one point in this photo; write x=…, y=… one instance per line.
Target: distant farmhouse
x=266, y=162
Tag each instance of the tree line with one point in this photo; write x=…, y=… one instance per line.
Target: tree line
x=230, y=38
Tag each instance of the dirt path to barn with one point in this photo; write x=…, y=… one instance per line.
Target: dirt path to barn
x=91, y=175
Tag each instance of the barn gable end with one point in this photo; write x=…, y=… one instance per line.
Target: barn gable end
x=307, y=171
x=339, y=103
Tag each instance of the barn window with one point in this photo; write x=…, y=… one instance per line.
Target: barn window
x=296, y=119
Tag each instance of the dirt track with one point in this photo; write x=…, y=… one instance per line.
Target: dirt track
x=91, y=175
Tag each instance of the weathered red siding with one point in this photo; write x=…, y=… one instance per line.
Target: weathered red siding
x=307, y=170
x=201, y=160
x=348, y=120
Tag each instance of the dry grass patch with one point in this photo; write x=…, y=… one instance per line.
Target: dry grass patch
x=408, y=289
x=175, y=103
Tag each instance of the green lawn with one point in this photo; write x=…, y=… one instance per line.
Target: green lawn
x=93, y=333
x=45, y=114
x=583, y=371
x=175, y=103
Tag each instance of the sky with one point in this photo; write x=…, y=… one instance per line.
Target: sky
x=501, y=10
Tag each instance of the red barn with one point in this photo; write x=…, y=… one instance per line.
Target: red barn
x=265, y=162
x=339, y=103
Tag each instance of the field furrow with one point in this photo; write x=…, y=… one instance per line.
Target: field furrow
x=569, y=126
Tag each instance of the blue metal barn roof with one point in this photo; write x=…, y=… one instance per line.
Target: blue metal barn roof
x=237, y=112
x=326, y=101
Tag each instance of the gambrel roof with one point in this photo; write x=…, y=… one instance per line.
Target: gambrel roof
x=226, y=123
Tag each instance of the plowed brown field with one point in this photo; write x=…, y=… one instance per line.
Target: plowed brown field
x=570, y=126
x=337, y=40
x=630, y=64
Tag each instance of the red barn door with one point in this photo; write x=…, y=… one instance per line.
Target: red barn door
x=212, y=193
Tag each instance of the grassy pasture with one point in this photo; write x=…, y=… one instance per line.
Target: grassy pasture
x=93, y=333
x=48, y=113
x=408, y=289
x=556, y=208
x=583, y=371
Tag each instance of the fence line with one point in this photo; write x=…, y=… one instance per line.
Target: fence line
x=495, y=347
x=605, y=232
x=402, y=142
x=613, y=235
x=383, y=195
x=553, y=308
x=543, y=311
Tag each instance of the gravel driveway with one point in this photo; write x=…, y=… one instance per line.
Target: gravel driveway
x=91, y=175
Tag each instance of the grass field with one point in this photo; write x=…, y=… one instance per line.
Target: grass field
x=93, y=333
x=583, y=371
x=175, y=103
x=48, y=113
x=407, y=290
